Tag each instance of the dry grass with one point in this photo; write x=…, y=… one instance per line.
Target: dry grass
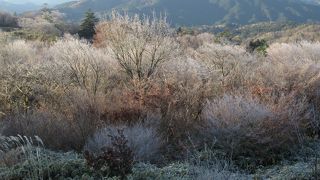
x=15, y=149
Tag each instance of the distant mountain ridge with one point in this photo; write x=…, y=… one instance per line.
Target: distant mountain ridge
x=201, y=12
x=311, y=1
x=21, y=6
x=15, y=7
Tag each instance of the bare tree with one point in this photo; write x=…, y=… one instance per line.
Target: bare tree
x=140, y=45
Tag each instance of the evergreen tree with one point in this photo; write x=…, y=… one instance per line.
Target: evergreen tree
x=87, y=27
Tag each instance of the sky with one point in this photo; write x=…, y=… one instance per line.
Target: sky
x=38, y=2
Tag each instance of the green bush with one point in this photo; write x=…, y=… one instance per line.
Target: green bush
x=259, y=46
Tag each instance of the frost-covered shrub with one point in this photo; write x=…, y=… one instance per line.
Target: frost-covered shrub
x=226, y=63
x=253, y=133
x=302, y=51
x=78, y=63
x=144, y=141
x=18, y=51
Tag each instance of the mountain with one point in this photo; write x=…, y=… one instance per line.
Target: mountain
x=36, y=2
x=21, y=6
x=201, y=12
x=41, y=2
x=17, y=7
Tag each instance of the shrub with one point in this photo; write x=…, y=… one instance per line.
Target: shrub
x=18, y=51
x=178, y=100
x=80, y=64
x=301, y=52
x=115, y=159
x=259, y=46
x=223, y=62
x=54, y=129
x=289, y=70
x=37, y=85
x=195, y=41
x=255, y=134
x=46, y=25
x=18, y=76
x=143, y=141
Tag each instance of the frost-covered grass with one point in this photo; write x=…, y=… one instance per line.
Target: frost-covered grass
x=48, y=164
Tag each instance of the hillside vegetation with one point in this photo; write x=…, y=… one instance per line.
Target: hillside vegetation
x=142, y=100
x=272, y=32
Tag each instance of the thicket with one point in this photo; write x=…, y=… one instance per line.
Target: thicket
x=140, y=93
